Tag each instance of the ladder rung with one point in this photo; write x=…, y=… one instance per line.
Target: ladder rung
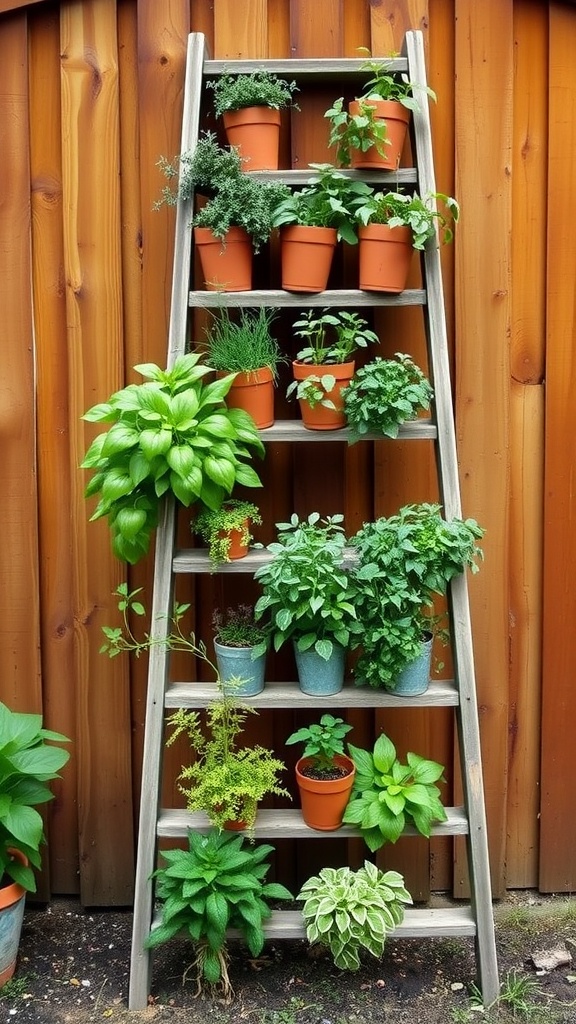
x=440, y=693
x=278, y=297
x=174, y=823
x=197, y=560
x=302, y=68
x=294, y=430
x=403, y=176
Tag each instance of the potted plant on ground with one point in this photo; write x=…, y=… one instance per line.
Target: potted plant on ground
x=246, y=347
x=240, y=645
x=383, y=394
x=250, y=106
x=217, y=884
x=331, y=338
x=392, y=225
x=226, y=530
x=226, y=781
x=403, y=562
x=305, y=596
x=371, y=133
x=311, y=221
x=324, y=773
x=171, y=434
x=349, y=911
x=388, y=794
x=28, y=760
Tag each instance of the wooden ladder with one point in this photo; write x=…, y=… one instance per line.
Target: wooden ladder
x=475, y=919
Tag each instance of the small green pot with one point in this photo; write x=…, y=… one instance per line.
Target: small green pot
x=238, y=661
x=317, y=676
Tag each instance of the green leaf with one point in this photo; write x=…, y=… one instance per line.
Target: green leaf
x=384, y=753
x=221, y=471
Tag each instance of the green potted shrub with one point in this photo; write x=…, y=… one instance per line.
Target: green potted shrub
x=162, y=439
x=324, y=773
x=226, y=530
x=28, y=761
x=383, y=394
x=387, y=795
x=371, y=133
x=392, y=224
x=217, y=884
x=330, y=340
x=403, y=562
x=240, y=645
x=250, y=106
x=246, y=347
x=349, y=911
x=225, y=780
x=305, y=596
x=203, y=169
x=311, y=221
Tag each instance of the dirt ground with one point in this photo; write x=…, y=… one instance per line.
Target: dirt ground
x=74, y=965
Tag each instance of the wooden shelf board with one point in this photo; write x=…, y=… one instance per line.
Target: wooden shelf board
x=441, y=693
x=302, y=68
x=294, y=430
x=291, y=176
x=197, y=560
x=174, y=823
x=341, y=297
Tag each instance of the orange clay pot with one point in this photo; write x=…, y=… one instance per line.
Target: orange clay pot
x=254, y=392
x=306, y=255
x=319, y=417
x=226, y=263
x=323, y=802
x=384, y=258
x=396, y=117
x=255, y=132
x=237, y=548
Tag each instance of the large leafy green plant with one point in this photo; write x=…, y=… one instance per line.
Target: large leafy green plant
x=387, y=794
x=257, y=89
x=329, y=200
x=171, y=434
x=384, y=394
x=349, y=911
x=305, y=590
x=216, y=884
x=420, y=214
x=27, y=762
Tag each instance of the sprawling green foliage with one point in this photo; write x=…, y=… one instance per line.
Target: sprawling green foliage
x=173, y=433
x=329, y=200
x=257, y=89
x=384, y=394
x=214, y=526
x=420, y=214
x=349, y=911
x=387, y=794
x=332, y=336
x=27, y=762
x=216, y=884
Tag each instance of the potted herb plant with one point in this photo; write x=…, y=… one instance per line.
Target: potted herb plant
x=161, y=439
x=383, y=394
x=240, y=645
x=311, y=221
x=371, y=133
x=403, y=562
x=349, y=911
x=217, y=884
x=331, y=338
x=392, y=225
x=250, y=107
x=246, y=347
x=388, y=794
x=324, y=773
x=28, y=761
x=305, y=596
x=225, y=780
x=226, y=530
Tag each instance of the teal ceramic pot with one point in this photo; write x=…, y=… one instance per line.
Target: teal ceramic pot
x=238, y=661
x=317, y=676
x=415, y=677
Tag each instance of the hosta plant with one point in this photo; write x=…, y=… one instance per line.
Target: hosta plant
x=219, y=882
x=171, y=434
x=349, y=911
x=384, y=394
x=387, y=795
x=28, y=760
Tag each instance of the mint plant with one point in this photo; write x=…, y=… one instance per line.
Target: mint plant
x=388, y=794
x=332, y=337
x=329, y=200
x=349, y=911
x=314, y=389
x=216, y=884
x=322, y=741
x=384, y=394
x=171, y=434
x=420, y=214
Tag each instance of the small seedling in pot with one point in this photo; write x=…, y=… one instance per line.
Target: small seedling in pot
x=323, y=743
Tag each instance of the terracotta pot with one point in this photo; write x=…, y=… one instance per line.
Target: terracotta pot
x=12, y=899
x=226, y=263
x=396, y=117
x=237, y=548
x=253, y=392
x=306, y=255
x=384, y=258
x=255, y=132
x=319, y=417
x=323, y=802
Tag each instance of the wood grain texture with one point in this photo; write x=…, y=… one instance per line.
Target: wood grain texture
x=56, y=581
x=483, y=159
x=391, y=19
x=95, y=352
x=240, y=29
x=557, y=821
x=317, y=30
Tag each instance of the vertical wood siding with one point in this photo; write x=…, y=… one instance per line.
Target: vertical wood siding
x=90, y=98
